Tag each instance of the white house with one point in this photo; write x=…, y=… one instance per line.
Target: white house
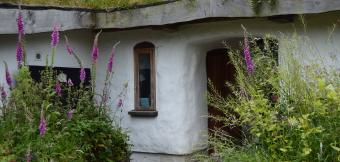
x=166, y=53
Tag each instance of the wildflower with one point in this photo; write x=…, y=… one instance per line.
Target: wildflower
x=70, y=114
x=20, y=54
x=120, y=103
x=20, y=25
x=58, y=88
x=110, y=64
x=55, y=36
x=42, y=125
x=247, y=56
x=68, y=47
x=69, y=82
x=82, y=74
x=8, y=76
x=95, y=50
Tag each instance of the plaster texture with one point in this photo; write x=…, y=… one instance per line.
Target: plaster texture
x=41, y=20
x=37, y=21
x=181, y=82
x=186, y=10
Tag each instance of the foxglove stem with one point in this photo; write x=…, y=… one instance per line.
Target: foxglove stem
x=68, y=46
x=55, y=36
x=95, y=50
x=111, y=59
x=82, y=74
x=8, y=76
x=42, y=125
x=58, y=88
x=20, y=54
x=54, y=41
x=95, y=53
x=247, y=56
x=20, y=25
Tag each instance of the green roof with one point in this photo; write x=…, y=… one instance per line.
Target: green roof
x=96, y=4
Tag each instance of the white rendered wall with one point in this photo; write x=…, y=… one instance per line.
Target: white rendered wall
x=181, y=126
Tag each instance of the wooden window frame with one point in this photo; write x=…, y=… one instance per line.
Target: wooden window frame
x=151, y=53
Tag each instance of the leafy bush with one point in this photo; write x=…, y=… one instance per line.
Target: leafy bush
x=288, y=112
x=54, y=121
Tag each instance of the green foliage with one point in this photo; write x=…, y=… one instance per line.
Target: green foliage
x=289, y=112
x=88, y=136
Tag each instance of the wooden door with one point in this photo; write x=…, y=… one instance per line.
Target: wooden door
x=219, y=71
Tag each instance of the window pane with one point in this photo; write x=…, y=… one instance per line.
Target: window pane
x=144, y=81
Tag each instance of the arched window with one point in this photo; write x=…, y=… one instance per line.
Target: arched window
x=145, y=77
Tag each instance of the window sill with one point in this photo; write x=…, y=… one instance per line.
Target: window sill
x=145, y=113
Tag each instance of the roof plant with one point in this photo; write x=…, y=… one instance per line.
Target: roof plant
x=257, y=5
x=97, y=4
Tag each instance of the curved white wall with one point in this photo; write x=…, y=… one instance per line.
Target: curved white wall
x=181, y=125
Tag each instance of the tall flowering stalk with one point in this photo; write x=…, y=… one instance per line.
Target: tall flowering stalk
x=247, y=56
x=58, y=88
x=68, y=47
x=95, y=53
x=20, y=54
x=82, y=74
x=70, y=51
x=20, y=25
x=20, y=47
x=8, y=76
x=106, y=90
x=111, y=59
x=42, y=125
x=54, y=41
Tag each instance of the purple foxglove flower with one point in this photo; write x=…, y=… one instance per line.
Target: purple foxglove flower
x=20, y=54
x=95, y=50
x=42, y=125
x=70, y=114
x=110, y=64
x=247, y=56
x=58, y=88
x=55, y=36
x=120, y=103
x=68, y=47
x=82, y=74
x=8, y=76
x=20, y=25
x=69, y=82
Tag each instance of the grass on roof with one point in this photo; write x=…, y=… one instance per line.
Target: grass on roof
x=97, y=4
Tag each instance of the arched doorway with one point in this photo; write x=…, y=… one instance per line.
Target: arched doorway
x=219, y=71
